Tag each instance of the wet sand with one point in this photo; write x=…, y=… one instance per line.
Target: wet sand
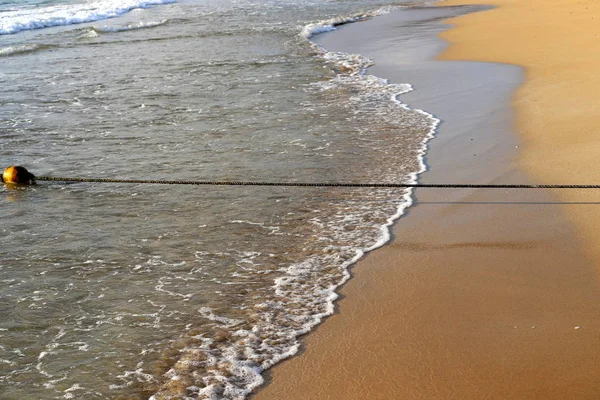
x=482, y=294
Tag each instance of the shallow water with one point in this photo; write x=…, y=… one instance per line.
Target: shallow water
x=113, y=291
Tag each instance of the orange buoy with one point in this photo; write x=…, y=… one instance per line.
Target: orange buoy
x=17, y=175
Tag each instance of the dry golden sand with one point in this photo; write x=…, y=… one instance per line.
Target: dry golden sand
x=484, y=297
x=558, y=107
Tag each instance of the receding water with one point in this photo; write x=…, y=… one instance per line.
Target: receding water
x=132, y=291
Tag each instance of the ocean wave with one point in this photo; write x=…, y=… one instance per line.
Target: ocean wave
x=44, y=17
x=131, y=27
x=12, y=50
x=329, y=25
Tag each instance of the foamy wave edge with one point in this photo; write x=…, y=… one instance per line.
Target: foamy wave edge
x=22, y=20
x=308, y=32
x=351, y=66
x=329, y=25
x=12, y=50
x=131, y=27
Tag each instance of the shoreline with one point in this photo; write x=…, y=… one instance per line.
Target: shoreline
x=479, y=304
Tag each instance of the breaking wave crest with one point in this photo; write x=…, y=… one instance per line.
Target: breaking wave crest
x=131, y=27
x=329, y=25
x=12, y=50
x=59, y=15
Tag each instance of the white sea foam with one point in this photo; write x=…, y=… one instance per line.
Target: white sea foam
x=43, y=17
x=208, y=313
x=89, y=34
x=69, y=392
x=131, y=27
x=354, y=71
x=26, y=48
x=329, y=25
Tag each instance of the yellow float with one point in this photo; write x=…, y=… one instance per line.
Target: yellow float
x=17, y=175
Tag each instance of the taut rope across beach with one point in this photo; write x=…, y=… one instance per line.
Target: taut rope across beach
x=290, y=184
x=320, y=184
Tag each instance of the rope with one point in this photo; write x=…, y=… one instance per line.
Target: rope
x=317, y=184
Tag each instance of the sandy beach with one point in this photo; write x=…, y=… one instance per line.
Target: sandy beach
x=482, y=294
x=556, y=106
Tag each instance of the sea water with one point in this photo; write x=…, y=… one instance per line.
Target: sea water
x=173, y=292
